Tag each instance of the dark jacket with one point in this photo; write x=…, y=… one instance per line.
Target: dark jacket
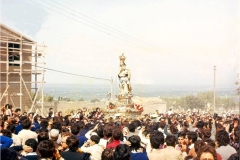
x=70, y=155
x=31, y=157
x=138, y=156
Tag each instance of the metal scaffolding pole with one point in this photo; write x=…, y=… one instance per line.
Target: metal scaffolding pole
x=7, y=75
x=21, y=57
x=43, y=57
x=20, y=74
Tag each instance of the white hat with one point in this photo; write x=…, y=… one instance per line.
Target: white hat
x=54, y=133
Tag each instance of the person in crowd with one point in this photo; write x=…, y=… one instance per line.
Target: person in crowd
x=35, y=123
x=46, y=151
x=72, y=144
x=103, y=142
x=26, y=133
x=17, y=112
x=181, y=140
x=5, y=142
x=33, y=144
x=63, y=147
x=223, y=147
x=83, y=129
x=234, y=157
x=169, y=112
x=137, y=152
x=85, y=112
x=170, y=152
x=234, y=125
x=131, y=128
x=42, y=136
x=107, y=154
x=6, y=132
x=90, y=113
x=190, y=139
x=173, y=129
x=19, y=127
x=50, y=113
x=8, y=110
x=43, y=125
x=116, y=135
x=93, y=148
x=30, y=116
x=156, y=140
x=24, y=114
x=206, y=152
x=97, y=114
x=122, y=152
x=9, y=154
x=53, y=135
x=16, y=139
x=75, y=129
x=234, y=142
x=198, y=144
x=162, y=125
x=199, y=126
x=57, y=125
x=210, y=142
x=60, y=115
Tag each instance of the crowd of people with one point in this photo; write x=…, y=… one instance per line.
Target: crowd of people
x=91, y=135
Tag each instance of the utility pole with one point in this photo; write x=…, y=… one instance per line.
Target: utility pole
x=214, y=89
x=111, y=80
x=238, y=90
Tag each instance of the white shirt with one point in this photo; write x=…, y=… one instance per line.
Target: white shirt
x=16, y=140
x=191, y=146
x=225, y=151
x=103, y=142
x=8, y=112
x=26, y=134
x=95, y=151
x=169, y=112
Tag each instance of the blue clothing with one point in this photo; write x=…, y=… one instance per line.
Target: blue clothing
x=83, y=131
x=81, y=140
x=37, y=126
x=5, y=142
x=18, y=128
x=139, y=156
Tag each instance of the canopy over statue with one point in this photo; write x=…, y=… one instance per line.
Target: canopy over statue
x=124, y=76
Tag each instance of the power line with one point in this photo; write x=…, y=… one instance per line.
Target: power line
x=139, y=41
x=73, y=74
x=84, y=23
x=142, y=42
x=115, y=30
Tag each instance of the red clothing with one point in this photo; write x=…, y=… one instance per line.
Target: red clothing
x=113, y=144
x=219, y=157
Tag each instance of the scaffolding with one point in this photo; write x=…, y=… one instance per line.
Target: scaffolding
x=22, y=64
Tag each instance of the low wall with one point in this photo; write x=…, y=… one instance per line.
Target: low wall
x=66, y=107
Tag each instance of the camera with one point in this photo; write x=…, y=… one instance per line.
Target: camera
x=215, y=115
x=228, y=122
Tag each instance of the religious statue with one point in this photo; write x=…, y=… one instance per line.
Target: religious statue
x=124, y=76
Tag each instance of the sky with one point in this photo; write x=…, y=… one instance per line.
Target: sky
x=166, y=42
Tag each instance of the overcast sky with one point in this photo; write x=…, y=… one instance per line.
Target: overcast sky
x=166, y=42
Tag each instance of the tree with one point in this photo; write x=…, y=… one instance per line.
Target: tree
x=192, y=102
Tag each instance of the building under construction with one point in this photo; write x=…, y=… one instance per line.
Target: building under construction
x=22, y=71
